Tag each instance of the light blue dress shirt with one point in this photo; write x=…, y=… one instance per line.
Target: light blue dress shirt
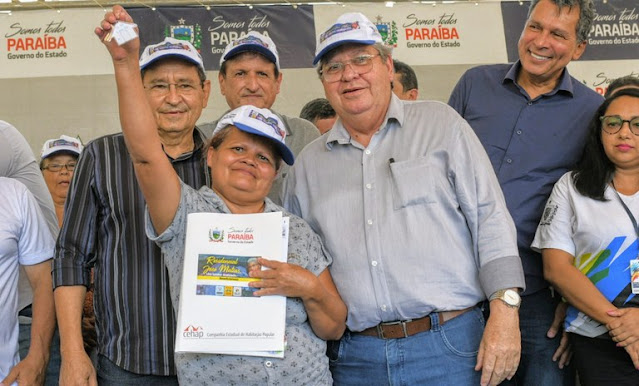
x=415, y=222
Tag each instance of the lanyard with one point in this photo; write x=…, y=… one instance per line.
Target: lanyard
x=632, y=218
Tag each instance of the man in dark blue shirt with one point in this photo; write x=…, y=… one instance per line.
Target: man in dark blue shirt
x=531, y=116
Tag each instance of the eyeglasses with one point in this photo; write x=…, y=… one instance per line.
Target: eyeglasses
x=57, y=167
x=162, y=89
x=611, y=124
x=362, y=64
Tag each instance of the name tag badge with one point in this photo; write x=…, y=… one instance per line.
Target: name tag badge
x=634, y=275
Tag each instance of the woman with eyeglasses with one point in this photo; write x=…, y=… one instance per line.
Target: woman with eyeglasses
x=58, y=159
x=589, y=235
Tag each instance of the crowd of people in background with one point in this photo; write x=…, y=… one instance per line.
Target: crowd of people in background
x=491, y=240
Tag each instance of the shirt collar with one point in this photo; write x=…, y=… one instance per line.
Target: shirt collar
x=338, y=134
x=219, y=204
x=198, y=137
x=564, y=85
x=198, y=144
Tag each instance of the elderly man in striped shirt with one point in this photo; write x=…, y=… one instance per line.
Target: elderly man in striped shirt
x=104, y=229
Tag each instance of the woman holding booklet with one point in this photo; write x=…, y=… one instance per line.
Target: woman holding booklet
x=244, y=155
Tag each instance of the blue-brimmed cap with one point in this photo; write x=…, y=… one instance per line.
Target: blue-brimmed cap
x=351, y=27
x=262, y=122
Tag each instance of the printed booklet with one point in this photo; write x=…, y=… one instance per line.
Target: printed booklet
x=218, y=311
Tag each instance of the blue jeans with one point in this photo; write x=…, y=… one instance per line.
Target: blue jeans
x=445, y=355
x=109, y=374
x=536, y=366
x=53, y=370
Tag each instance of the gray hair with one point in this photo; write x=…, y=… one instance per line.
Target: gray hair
x=586, y=15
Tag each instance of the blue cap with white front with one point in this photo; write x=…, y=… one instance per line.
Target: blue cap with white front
x=171, y=47
x=351, y=27
x=252, y=42
x=262, y=122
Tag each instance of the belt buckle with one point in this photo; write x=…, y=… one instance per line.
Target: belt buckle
x=380, y=328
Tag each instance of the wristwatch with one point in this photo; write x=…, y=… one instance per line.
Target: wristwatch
x=508, y=296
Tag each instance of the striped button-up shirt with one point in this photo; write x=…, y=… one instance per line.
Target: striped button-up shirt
x=104, y=229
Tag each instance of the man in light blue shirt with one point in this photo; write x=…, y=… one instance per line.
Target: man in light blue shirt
x=408, y=205
x=532, y=116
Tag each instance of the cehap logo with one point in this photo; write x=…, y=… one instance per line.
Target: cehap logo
x=193, y=332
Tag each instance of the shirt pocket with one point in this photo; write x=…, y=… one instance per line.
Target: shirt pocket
x=411, y=183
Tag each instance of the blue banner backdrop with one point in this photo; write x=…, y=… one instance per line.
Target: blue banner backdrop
x=292, y=29
x=613, y=36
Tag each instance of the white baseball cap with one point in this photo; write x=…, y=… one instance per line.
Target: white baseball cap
x=171, y=47
x=262, y=122
x=252, y=42
x=62, y=144
x=351, y=27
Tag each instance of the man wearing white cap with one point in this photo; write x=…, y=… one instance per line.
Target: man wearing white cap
x=405, y=200
x=250, y=75
x=104, y=229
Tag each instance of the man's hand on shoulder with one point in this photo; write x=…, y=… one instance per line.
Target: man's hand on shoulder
x=500, y=347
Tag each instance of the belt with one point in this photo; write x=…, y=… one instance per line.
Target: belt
x=406, y=328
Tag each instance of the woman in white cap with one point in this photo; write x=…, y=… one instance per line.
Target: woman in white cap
x=58, y=159
x=57, y=162
x=244, y=155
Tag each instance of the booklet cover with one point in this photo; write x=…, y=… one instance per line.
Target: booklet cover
x=218, y=311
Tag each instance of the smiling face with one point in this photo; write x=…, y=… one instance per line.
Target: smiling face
x=178, y=110
x=621, y=147
x=354, y=94
x=548, y=43
x=243, y=168
x=58, y=182
x=249, y=79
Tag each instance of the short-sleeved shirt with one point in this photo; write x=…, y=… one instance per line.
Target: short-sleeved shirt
x=25, y=239
x=530, y=142
x=601, y=237
x=305, y=361
x=17, y=162
x=415, y=221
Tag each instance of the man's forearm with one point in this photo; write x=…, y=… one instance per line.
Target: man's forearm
x=43, y=317
x=69, y=301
